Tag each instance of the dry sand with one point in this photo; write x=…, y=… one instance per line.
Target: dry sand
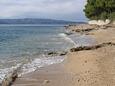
x=104, y=35
x=94, y=67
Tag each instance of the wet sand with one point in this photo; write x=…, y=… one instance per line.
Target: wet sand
x=54, y=75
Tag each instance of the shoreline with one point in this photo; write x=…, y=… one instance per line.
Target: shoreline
x=53, y=75
x=81, y=66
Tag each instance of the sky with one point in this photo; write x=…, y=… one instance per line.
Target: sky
x=51, y=9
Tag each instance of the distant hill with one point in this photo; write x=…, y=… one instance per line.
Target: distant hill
x=35, y=21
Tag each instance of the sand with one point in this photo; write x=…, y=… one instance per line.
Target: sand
x=83, y=68
x=104, y=35
x=94, y=67
x=54, y=75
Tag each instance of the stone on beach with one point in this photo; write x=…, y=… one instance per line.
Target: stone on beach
x=46, y=81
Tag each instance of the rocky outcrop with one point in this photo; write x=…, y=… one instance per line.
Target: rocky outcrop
x=86, y=28
x=81, y=27
x=83, y=30
x=81, y=48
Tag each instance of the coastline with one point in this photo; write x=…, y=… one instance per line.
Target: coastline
x=80, y=68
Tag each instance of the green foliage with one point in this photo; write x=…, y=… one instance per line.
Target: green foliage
x=100, y=9
x=112, y=16
x=103, y=15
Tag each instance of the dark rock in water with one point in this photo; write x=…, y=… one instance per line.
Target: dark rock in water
x=62, y=54
x=57, y=53
x=52, y=53
x=92, y=47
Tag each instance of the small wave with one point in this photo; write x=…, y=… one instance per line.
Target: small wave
x=63, y=35
x=31, y=66
x=40, y=62
x=6, y=71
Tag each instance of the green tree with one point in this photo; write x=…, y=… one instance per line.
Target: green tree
x=100, y=9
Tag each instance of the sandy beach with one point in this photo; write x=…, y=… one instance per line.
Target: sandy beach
x=90, y=67
x=95, y=67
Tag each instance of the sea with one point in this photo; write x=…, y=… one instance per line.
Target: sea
x=27, y=46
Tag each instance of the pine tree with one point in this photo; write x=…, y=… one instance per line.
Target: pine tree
x=100, y=9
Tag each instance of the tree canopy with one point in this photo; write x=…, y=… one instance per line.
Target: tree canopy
x=100, y=9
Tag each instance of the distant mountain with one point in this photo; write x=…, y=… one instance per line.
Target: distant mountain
x=35, y=21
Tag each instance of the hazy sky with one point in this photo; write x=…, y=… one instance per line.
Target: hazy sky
x=55, y=9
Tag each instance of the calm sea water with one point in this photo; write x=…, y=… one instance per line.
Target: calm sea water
x=20, y=41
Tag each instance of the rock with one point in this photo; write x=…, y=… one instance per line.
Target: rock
x=63, y=53
x=82, y=28
x=52, y=53
x=57, y=53
x=46, y=81
x=92, y=47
